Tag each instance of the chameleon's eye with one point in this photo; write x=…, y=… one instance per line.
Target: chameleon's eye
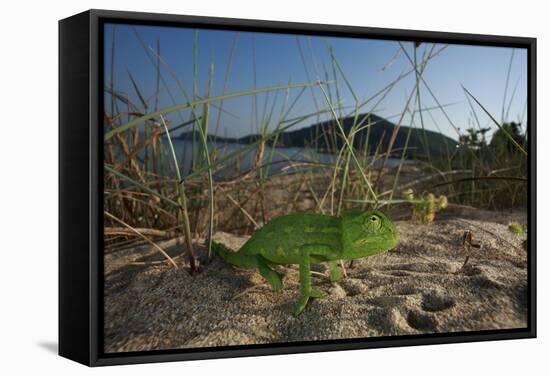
x=372, y=223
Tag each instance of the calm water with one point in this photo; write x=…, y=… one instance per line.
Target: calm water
x=282, y=160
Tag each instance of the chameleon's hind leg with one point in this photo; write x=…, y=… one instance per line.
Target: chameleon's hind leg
x=336, y=272
x=274, y=278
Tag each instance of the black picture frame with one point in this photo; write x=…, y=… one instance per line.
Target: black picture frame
x=81, y=174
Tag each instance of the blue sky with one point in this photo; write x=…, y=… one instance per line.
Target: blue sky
x=369, y=65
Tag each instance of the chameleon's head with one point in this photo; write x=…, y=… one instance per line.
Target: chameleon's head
x=367, y=233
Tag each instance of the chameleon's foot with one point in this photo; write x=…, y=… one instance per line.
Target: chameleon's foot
x=274, y=278
x=317, y=294
x=276, y=283
x=301, y=304
x=336, y=272
x=302, y=301
x=336, y=275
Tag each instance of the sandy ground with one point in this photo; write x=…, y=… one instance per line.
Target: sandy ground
x=417, y=288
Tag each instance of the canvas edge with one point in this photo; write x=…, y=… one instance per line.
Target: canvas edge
x=74, y=217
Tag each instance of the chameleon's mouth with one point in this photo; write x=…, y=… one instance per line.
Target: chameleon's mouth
x=361, y=241
x=385, y=242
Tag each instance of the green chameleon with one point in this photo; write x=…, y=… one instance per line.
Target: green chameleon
x=306, y=239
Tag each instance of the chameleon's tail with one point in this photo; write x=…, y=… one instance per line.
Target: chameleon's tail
x=231, y=257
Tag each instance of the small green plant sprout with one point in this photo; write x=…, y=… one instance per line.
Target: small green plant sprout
x=408, y=195
x=516, y=228
x=425, y=207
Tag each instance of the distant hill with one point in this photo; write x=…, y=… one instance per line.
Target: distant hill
x=379, y=133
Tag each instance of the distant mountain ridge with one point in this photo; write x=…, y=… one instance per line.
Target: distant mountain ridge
x=377, y=134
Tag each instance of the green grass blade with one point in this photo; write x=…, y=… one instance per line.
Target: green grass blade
x=204, y=134
x=350, y=147
x=141, y=186
x=514, y=142
x=197, y=102
x=182, y=199
x=138, y=92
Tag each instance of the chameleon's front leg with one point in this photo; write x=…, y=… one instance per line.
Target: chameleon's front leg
x=305, y=283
